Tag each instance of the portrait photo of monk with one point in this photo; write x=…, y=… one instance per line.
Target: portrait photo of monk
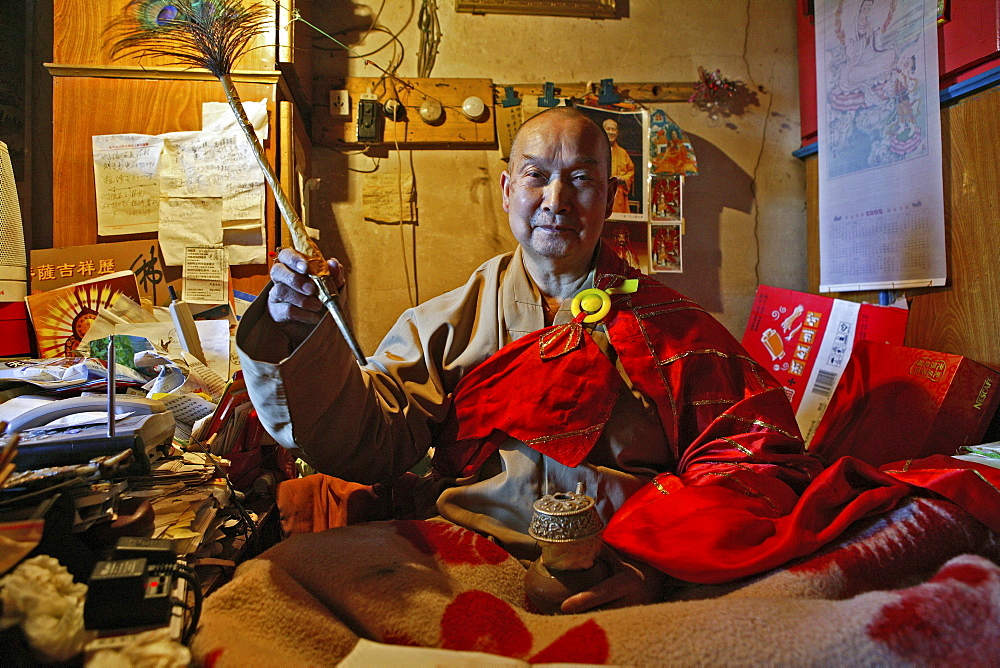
x=627, y=133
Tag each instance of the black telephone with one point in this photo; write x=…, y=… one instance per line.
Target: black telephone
x=148, y=431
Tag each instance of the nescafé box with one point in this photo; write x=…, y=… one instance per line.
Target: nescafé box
x=895, y=403
x=805, y=341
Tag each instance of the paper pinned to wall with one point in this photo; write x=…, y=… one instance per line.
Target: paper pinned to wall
x=244, y=245
x=193, y=164
x=218, y=117
x=188, y=221
x=387, y=197
x=127, y=185
x=244, y=193
x=210, y=165
x=206, y=275
x=139, y=176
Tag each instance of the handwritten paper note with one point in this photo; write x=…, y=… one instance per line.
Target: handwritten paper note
x=213, y=165
x=164, y=183
x=188, y=221
x=127, y=184
x=387, y=197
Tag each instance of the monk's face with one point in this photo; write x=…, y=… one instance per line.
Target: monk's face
x=611, y=129
x=557, y=191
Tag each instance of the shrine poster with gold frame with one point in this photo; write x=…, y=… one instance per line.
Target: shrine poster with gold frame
x=665, y=251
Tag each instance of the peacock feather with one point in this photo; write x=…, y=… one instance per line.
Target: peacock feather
x=212, y=34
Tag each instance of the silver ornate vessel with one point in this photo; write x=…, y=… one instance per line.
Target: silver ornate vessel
x=563, y=517
x=566, y=526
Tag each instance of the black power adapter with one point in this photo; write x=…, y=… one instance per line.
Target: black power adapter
x=134, y=588
x=127, y=593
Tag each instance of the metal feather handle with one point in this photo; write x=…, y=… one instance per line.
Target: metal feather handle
x=319, y=271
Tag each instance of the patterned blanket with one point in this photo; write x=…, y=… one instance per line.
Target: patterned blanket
x=918, y=586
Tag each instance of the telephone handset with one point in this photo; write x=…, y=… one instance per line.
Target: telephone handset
x=53, y=410
x=148, y=431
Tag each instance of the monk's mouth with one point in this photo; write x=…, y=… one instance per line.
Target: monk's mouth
x=555, y=228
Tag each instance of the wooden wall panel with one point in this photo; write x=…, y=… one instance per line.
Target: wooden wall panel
x=963, y=317
x=87, y=106
x=78, y=37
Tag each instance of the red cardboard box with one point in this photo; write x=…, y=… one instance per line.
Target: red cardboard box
x=895, y=403
x=805, y=341
x=15, y=340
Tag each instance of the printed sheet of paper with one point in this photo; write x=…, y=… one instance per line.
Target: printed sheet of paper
x=206, y=274
x=881, y=202
x=127, y=183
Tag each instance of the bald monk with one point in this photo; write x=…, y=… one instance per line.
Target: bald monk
x=519, y=398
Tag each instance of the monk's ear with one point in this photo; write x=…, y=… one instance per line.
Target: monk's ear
x=612, y=190
x=505, y=190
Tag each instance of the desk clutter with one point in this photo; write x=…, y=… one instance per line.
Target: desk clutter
x=134, y=475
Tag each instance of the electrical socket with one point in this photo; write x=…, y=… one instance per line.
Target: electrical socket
x=340, y=104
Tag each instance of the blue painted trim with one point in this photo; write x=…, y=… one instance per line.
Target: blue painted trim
x=806, y=150
x=971, y=85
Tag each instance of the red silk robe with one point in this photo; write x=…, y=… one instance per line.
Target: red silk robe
x=742, y=498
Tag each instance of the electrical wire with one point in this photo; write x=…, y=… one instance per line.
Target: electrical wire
x=190, y=576
x=402, y=232
x=393, y=39
x=430, y=37
x=297, y=16
x=374, y=22
x=234, y=495
x=365, y=171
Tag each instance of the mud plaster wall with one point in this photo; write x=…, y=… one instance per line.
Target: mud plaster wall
x=745, y=211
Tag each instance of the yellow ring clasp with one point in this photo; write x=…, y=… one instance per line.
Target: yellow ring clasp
x=594, y=302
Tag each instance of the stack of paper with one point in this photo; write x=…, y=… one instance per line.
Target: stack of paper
x=186, y=517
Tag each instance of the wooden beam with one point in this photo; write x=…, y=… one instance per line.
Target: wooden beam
x=644, y=91
x=135, y=72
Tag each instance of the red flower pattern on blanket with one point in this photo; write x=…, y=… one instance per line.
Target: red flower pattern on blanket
x=450, y=543
x=918, y=628
x=919, y=585
x=478, y=621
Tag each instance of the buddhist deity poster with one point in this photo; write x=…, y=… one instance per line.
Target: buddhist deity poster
x=881, y=202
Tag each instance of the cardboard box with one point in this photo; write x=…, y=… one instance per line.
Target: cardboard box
x=805, y=341
x=15, y=337
x=895, y=403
